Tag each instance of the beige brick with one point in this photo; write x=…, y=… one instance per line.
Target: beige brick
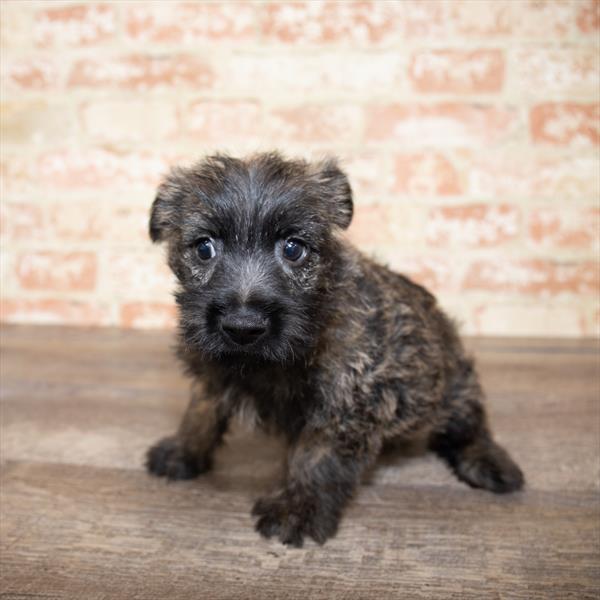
x=528, y=320
x=35, y=122
x=134, y=120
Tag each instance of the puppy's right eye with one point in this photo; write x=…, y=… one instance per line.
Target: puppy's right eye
x=206, y=249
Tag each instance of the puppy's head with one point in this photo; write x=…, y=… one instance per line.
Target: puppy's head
x=252, y=244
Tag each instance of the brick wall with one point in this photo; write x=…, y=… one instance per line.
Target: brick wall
x=469, y=128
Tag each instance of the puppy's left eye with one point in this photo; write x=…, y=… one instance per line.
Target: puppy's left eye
x=205, y=249
x=294, y=250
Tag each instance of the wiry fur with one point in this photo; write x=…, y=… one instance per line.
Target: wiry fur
x=354, y=355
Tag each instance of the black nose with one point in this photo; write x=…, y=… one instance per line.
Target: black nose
x=243, y=327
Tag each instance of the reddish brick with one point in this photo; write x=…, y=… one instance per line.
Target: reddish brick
x=426, y=174
x=588, y=17
x=30, y=74
x=146, y=315
x=75, y=25
x=212, y=121
x=457, y=71
x=52, y=312
x=533, y=276
x=473, y=224
x=189, y=22
x=58, y=271
x=330, y=22
x=141, y=72
x=565, y=227
x=329, y=123
x=565, y=123
x=97, y=168
x=447, y=124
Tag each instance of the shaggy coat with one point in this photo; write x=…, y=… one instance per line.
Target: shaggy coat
x=332, y=350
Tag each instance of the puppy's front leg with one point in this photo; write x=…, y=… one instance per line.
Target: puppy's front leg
x=321, y=477
x=189, y=452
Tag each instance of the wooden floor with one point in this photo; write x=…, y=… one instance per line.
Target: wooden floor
x=81, y=519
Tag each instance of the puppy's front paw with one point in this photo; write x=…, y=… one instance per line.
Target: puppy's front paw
x=290, y=518
x=167, y=459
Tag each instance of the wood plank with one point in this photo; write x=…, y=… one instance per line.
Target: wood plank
x=80, y=518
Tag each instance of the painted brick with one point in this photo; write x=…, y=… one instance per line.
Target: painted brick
x=190, y=22
x=75, y=221
x=135, y=120
x=566, y=123
x=139, y=275
x=545, y=19
x=508, y=19
x=382, y=225
x=529, y=175
x=457, y=71
x=533, y=277
x=445, y=124
x=433, y=272
x=527, y=320
x=434, y=19
x=426, y=174
x=35, y=122
x=571, y=70
x=330, y=22
x=328, y=123
x=15, y=25
x=127, y=223
x=148, y=315
x=75, y=25
x=98, y=168
x=57, y=271
x=142, y=72
x=53, y=312
x=472, y=224
x=553, y=227
x=330, y=72
x=369, y=173
x=21, y=221
x=212, y=121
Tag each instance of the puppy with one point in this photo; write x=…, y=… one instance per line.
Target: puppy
x=332, y=350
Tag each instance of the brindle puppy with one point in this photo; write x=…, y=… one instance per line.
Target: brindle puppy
x=335, y=351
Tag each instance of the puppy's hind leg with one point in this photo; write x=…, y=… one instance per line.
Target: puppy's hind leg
x=189, y=452
x=465, y=442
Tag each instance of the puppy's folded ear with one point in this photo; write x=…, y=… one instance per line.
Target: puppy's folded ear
x=335, y=187
x=163, y=214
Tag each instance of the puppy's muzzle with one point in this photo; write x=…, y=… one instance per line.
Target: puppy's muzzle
x=244, y=326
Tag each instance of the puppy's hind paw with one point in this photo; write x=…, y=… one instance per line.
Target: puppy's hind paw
x=489, y=466
x=167, y=459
